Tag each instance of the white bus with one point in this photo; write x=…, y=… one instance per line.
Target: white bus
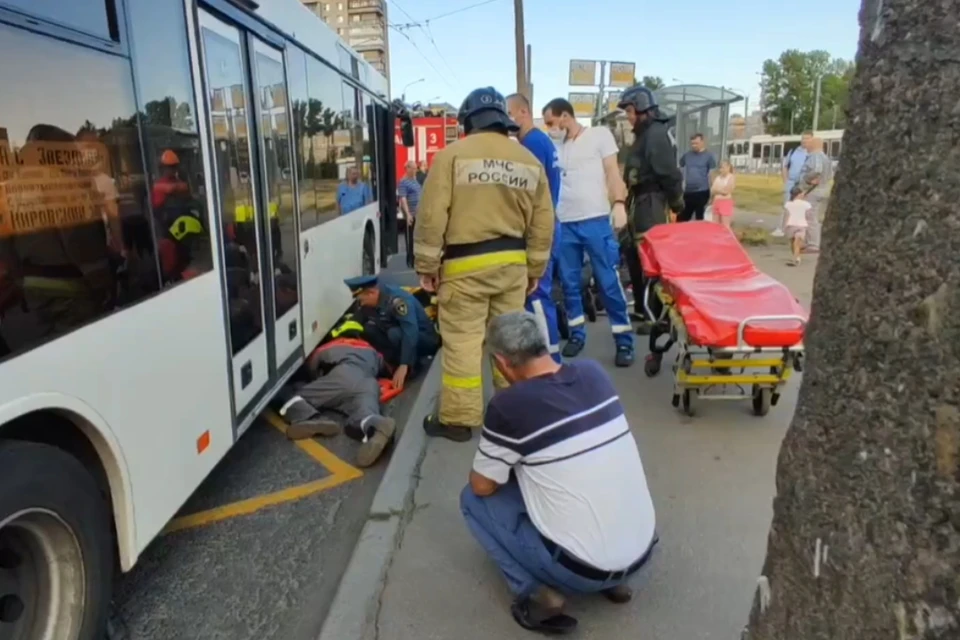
x=170, y=249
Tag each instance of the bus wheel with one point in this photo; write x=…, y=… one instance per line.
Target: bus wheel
x=369, y=254
x=56, y=563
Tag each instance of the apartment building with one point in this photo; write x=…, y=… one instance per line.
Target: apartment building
x=362, y=24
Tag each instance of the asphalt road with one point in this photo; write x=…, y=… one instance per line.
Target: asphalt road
x=267, y=574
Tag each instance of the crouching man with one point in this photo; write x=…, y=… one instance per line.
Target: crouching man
x=344, y=376
x=575, y=516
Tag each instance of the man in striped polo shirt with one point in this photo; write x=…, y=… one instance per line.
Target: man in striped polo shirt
x=576, y=515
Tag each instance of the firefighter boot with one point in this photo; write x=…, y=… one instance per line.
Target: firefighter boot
x=303, y=421
x=380, y=430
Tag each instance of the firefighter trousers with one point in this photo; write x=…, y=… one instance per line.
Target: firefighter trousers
x=466, y=305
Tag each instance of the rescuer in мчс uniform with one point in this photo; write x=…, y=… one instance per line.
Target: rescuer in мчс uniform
x=654, y=184
x=482, y=241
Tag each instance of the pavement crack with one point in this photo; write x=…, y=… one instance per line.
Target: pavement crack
x=405, y=515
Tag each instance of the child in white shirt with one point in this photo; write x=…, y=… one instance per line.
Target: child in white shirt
x=795, y=212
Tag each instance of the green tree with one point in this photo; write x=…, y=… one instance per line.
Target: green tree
x=788, y=89
x=865, y=539
x=650, y=82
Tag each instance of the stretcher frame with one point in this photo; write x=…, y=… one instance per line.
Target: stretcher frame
x=764, y=369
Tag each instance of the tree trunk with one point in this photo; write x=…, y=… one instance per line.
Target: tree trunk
x=865, y=540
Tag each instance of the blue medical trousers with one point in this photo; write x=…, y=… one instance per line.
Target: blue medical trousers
x=540, y=303
x=501, y=525
x=595, y=237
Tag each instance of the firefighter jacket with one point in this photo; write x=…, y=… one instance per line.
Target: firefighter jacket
x=486, y=203
x=652, y=176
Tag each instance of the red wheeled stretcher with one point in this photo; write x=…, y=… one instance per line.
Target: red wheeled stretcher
x=739, y=331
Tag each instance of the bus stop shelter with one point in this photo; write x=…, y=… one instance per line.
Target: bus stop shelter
x=697, y=108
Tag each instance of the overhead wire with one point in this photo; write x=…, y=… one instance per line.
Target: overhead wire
x=426, y=59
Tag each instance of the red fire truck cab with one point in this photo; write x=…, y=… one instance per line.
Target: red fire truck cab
x=430, y=134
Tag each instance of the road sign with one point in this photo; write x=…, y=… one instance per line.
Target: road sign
x=612, y=99
x=584, y=104
x=622, y=74
x=583, y=73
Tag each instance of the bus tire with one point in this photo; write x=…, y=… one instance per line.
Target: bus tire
x=369, y=266
x=56, y=544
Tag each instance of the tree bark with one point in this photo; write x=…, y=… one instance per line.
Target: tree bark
x=865, y=540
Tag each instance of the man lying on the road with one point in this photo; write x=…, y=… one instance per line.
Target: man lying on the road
x=396, y=324
x=576, y=517
x=344, y=376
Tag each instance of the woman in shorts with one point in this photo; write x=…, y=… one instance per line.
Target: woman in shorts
x=722, y=192
x=795, y=213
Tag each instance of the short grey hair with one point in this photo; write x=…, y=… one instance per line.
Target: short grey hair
x=517, y=337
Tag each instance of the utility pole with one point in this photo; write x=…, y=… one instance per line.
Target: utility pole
x=600, y=99
x=521, y=48
x=529, y=70
x=816, y=104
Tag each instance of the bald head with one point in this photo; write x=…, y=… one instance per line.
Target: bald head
x=518, y=108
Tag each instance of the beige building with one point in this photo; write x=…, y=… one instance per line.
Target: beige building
x=362, y=24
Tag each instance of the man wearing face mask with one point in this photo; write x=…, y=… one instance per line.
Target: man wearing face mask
x=590, y=183
x=653, y=179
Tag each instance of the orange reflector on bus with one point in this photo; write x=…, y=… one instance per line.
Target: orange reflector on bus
x=203, y=442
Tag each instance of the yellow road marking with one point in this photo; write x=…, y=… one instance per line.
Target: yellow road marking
x=340, y=473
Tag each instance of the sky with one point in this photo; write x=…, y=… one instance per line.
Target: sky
x=690, y=42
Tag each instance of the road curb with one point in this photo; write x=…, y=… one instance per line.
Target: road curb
x=355, y=606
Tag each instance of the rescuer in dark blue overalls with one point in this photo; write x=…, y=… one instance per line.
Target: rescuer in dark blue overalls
x=396, y=324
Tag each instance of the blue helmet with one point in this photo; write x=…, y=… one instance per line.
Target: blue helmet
x=638, y=97
x=485, y=109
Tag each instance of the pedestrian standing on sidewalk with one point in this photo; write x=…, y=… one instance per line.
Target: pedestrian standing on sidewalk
x=589, y=181
x=540, y=303
x=814, y=181
x=409, y=191
x=722, y=192
x=792, y=164
x=575, y=515
x=696, y=165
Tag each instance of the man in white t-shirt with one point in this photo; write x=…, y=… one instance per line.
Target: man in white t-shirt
x=589, y=181
x=576, y=516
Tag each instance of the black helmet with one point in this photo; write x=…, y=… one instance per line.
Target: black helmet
x=638, y=97
x=484, y=109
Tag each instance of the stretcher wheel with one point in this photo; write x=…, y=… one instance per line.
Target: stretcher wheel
x=689, y=402
x=651, y=366
x=761, y=400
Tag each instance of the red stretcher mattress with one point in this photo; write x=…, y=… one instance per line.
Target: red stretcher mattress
x=716, y=286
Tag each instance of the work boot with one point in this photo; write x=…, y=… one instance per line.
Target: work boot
x=620, y=594
x=382, y=429
x=543, y=611
x=573, y=348
x=437, y=429
x=625, y=356
x=313, y=428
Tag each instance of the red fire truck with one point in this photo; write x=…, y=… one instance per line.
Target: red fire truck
x=430, y=134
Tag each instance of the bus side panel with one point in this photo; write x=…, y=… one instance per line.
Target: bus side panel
x=155, y=374
x=335, y=253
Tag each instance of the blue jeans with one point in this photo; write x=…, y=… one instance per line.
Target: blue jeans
x=500, y=524
x=540, y=303
x=595, y=237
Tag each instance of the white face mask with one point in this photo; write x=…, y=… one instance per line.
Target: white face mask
x=557, y=135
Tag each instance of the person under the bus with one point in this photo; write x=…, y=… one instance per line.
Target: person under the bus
x=353, y=193
x=342, y=374
x=396, y=324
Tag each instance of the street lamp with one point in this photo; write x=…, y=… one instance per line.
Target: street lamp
x=403, y=94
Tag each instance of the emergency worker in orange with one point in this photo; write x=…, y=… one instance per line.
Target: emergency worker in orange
x=482, y=241
x=169, y=189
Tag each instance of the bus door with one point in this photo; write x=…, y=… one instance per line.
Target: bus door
x=251, y=156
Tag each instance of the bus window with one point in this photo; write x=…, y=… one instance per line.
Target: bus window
x=87, y=16
x=355, y=191
x=229, y=110
x=272, y=90
x=322, y=118
x=71, y=180
x=175, y=188
x=370, y=161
